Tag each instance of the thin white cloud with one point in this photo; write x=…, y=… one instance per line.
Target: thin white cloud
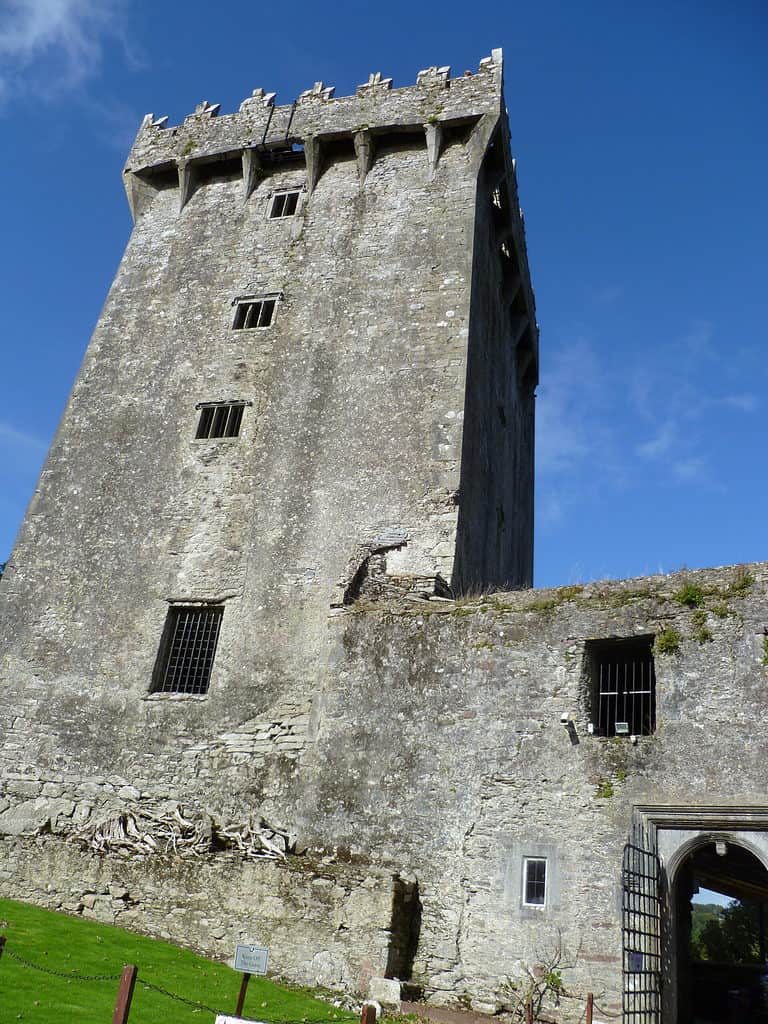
x=661, y=444
x=607, y=295
x=694, y=468
x=50, y=46
x=744, y=403
x=565, y=432
x=12, y=438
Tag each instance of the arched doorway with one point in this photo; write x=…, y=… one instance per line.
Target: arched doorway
x=720, y=899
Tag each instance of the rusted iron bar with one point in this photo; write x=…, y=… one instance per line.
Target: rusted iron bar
x=529, y=1012
x=241, y=995
x=590, y=1002
x=368, y=1014
x=2, y=943
x=125, y=994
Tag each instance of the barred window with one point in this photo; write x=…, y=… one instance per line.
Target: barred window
x=219, y=419
x=534, y=881
x=284, y=203
x=254, y=312
x=621, y=681
x=187, y=648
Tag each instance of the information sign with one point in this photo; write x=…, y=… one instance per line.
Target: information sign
x=251, y=959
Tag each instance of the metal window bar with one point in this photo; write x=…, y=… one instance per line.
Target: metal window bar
x=260, y=313
x=220, y=420
x=535, y=882
x=626, y=696
x=187, y=651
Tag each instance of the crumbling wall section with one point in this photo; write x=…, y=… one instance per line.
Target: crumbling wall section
x=213, y=902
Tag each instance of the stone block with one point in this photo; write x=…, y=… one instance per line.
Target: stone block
x=385, y=991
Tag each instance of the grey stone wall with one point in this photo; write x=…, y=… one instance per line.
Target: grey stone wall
x=434, y=752
x=211, y=904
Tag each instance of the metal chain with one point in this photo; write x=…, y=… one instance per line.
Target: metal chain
x=59, y=974
x=147, y=984
x=172, y=995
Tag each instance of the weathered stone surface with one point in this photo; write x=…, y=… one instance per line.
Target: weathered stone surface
x=386, y=992
x=30, y=816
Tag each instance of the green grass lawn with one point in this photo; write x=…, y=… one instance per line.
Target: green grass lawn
x=72, y=946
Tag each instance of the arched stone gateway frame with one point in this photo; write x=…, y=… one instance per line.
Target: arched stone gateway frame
x=675, y=833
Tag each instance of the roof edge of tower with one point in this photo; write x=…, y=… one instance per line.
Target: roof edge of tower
x=435, y=98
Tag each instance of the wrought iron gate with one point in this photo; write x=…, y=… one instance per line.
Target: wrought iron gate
x=641, y=930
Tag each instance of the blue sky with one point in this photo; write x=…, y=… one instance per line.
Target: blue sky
x=640, y=135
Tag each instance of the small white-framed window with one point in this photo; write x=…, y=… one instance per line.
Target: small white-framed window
x=534, y=881
x=284, y=203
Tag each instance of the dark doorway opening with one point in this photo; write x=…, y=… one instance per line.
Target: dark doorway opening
x=404, y=931
x=721, y=895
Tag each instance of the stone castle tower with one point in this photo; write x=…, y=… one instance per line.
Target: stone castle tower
x=313, y=377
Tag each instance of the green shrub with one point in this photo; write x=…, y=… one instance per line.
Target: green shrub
x=667, y=641
x=690, y=594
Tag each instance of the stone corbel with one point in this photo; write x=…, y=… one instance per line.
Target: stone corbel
x=252, y=172
x=479, y=139
x=138, y=193
x=435, y=136
x=313, y=156
x=187, y=182
x=364, y=151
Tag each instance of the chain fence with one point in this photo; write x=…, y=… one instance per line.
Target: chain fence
x=69, y=975
x=148, y=985
x=195, y=1004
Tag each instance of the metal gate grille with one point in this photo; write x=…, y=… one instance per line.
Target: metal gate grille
x=641, y=931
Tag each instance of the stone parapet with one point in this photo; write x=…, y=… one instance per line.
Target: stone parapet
x=436, y=98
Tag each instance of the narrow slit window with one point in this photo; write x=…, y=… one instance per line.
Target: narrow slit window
x=621, y=681
x=219, y=419
x=284, y=204
x=534, y=881
x=255, y=313
x=187, y=649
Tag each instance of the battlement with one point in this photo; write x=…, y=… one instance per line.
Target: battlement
x=436, y=105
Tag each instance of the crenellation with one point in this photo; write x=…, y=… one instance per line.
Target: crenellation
x=317, y=113
x=375, y=83
x=319, y=91
x=258, y=98
x=434, y=78
x=204, y=110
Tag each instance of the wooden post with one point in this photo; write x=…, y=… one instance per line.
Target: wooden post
x=125, y=994
x=241, y=995
x=2, y=943
x=529, y=1012
x=368, y=1014
x=590, y=1002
